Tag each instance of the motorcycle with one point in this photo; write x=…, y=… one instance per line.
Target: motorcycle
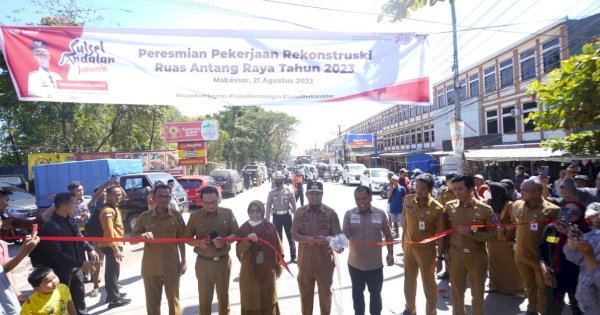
x=336, y=176
x=326, y=177
x=384, y=190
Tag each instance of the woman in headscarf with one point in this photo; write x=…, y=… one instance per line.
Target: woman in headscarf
x=260, y=265
x=503, y=273
x=559, y=273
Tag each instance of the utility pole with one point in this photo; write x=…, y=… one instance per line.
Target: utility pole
x=457, y=118
x=343, y=156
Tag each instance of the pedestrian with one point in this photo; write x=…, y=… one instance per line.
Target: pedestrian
x=365, y=224
x=520, y=177
x=472, y=222
x=173, y=200
x=49, y=297
x=532, y=214
x=281, y=204
x=10, y=295
x=112, y=227
x=403, y=180
x=396, y=196
x=585, y=252
x=298, y=187
x=480, y=186
x=270, y=174
x=558, y=182
x=260, y=266
x=210, y=225
x=585, y=195
x=67, y=259
x=247, y=180
x=162, y=264
x=423, y=218
x=95, y=205
x=502, y=267
x=560, y=274
x=312, y=226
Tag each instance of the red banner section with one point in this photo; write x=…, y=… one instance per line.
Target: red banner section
x=193, y=161
x=191, y=146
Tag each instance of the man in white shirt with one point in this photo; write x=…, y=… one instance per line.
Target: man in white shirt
x=42, y=82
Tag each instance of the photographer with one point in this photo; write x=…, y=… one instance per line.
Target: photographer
x=585, y=252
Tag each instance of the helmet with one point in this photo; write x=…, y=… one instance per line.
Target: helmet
x=278, y=175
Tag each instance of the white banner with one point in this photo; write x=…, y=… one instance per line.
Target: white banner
x=162, y=66
x=457, y=133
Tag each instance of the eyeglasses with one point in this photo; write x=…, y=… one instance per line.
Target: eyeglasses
x=210, y=203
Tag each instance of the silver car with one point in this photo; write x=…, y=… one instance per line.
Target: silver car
x=21, y=204
x=374, y=178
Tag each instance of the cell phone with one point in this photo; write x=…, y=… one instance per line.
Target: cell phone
x=114, y=178
x=213, y=235
x=575, y=232
x=545, y=172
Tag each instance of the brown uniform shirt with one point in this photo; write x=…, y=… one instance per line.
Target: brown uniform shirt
x=112, y=225
x=365, y=227
x=445, y=195
x=321, y=222
x=280, y=200
x=529, y=235
x=422, y=220
x=201, y=224
x=473, y=213
x=160, y=259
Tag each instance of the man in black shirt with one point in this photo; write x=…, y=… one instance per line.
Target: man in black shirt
x=67, y=259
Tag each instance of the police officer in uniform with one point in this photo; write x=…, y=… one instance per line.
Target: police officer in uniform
x=280, y=203
x=312, y=225
x=423, y=218
x=472, y=220
x=537, y=213
x=213, y=266
x=160, y=260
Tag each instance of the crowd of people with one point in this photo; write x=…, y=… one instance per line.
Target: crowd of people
x=531, y=239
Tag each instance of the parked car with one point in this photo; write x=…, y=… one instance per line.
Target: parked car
x=192, y=184
x=375, y=178
x=252, y=170
x=351, y=173
x=21, y=204
x=230, y=181
x=137, y=185
x=15, y=180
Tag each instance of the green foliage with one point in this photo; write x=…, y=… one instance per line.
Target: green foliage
x=396, y=10
x=571, y=102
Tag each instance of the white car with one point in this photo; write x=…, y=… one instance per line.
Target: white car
x=351, y=173
x=374, y=178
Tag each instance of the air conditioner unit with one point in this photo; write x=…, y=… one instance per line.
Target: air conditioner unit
x=515, y=112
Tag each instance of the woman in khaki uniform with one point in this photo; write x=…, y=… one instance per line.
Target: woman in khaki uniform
x=501, y=265
x=260, y=265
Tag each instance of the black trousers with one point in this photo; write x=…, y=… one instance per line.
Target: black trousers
x=284, y=222
x=112, y=269
x=300, y=194
x=373, y=280
x=74, y=280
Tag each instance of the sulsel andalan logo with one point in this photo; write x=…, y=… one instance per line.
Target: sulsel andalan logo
x=88, y=56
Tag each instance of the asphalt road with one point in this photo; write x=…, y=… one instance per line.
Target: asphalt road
x=337, y=196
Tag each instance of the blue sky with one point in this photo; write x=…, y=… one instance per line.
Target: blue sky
x=484, y=28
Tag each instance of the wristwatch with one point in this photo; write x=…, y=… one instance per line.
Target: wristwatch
x=440, y=257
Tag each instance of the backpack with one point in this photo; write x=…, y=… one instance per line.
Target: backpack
x=93, y=228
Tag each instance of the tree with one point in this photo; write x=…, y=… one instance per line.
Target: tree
x=570, y=99
x=396, y=10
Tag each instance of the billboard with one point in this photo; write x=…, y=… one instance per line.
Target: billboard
x=196, y=145
x=204, y=130
x=222, y=67
x=359, y=140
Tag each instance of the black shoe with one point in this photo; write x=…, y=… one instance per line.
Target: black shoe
x=122, y=294
x=444, y=275
x=408, y=312
x=292, y=261
x=118, y=303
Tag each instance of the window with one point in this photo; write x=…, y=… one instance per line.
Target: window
x=474, y=85
x=432, y=133
x=509, y=125
x=491, y=120
x=426, y=134
x=413, y=137
x=551, y=54
x=440, y=98
x=462, y=91
x=490, y=79
x=450, y=94
x=426, y=109
x=418, y=110
x=527, y=64
x=528, y=108
x=402, y=137
x=419, y=136
x=412, y=111
x=506, y=73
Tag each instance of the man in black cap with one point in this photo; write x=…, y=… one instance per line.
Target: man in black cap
x=42, y=82
x=312, y=226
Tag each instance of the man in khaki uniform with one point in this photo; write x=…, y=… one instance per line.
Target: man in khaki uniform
x=312, y=225
x=213, y=265
x=160, y=260
x=536, y=211
x=280, y=203
x=446, y=194
x=423, y=218
x=468, y=257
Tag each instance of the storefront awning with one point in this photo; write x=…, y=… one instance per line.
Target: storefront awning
x=520, y=154
x=399, y=154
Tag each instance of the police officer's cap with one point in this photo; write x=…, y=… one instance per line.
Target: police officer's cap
x=278, y=175
x=37, y=44
x=450, y=176
x=315, y=186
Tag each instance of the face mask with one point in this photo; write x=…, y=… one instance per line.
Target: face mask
x=254, y=223
x=517, y=172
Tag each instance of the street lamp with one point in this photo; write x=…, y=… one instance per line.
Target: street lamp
x=376, y=148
